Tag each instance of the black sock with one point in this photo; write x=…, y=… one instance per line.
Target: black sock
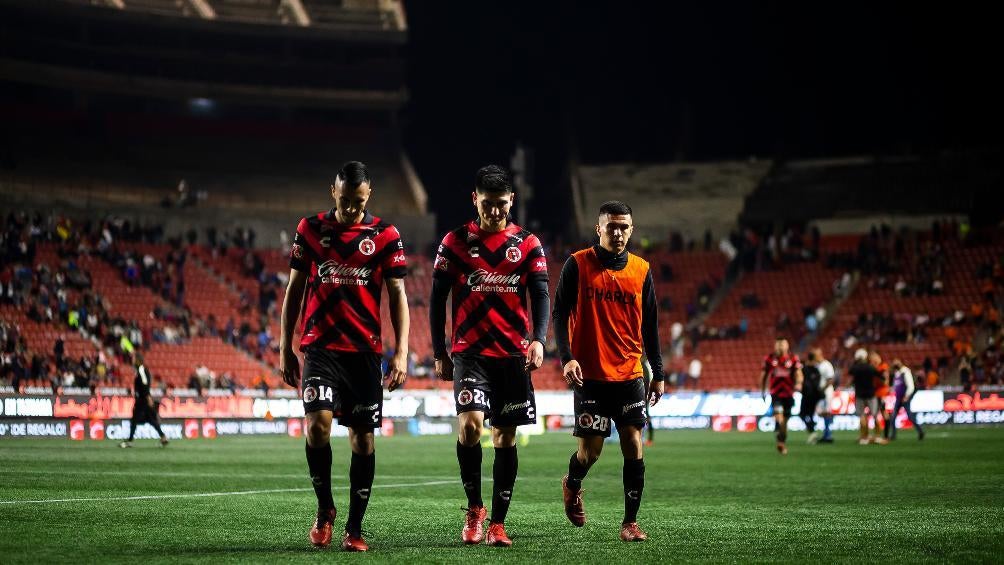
x=319, y=463
x=576, y=472
x=503, y=479
x=361, y=472
x=132, y=429
x=156, y=427
x=810, y=424
x=470, y=472
x=634, y=484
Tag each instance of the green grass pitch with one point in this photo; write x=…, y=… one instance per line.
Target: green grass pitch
x=709, y=497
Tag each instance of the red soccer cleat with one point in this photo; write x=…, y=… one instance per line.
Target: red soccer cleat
x=474, y=531
x=573, y=504
x=497, y=536
x=354, y=542
x=320, y=534
x=631, y=532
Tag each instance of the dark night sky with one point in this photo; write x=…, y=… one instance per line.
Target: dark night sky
x=662, y=81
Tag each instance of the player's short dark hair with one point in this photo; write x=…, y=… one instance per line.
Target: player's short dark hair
x=780, y=338
x=615, y=208
x=812, y=356
x=354, y=174
x=494, y=179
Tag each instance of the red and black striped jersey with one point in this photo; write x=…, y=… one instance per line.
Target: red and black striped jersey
x=781, y=371
x=346, y=267
x=488, y=273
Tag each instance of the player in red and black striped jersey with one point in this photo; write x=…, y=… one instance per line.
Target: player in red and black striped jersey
x=784, y=372
x=490, y=265
x=339, y=262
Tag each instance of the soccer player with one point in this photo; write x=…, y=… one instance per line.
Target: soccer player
x=605, y=318
x=784, y=371
x=339, y=261
x=903, y=387
x=882, y=391
x=490, y=265
x=827, y=383
x=144, y=408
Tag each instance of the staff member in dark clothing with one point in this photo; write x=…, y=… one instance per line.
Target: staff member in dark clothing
x=864, y=374
x=144, y=409
x=811, y=395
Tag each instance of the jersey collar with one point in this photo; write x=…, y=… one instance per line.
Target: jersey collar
x=367, y=218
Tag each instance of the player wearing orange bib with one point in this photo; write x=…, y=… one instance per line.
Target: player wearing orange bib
x=606, y=317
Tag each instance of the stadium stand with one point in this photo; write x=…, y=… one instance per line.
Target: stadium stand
x=735, y=362
x=690, y=197
x=900, y=315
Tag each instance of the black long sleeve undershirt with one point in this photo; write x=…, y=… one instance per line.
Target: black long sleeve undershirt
x=540, y=307
x=437, y=315
x=566, y=297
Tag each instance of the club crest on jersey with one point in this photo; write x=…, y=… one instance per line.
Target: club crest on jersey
x=585, y=420
x=513, y=254
x=297, y=251
x=309, y=394
x=465, y=397
x=367, y=247
x=441, y=264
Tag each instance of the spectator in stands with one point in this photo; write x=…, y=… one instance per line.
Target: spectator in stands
x=676, y=339
x=666, y=272
x=694, y=372
x=811, y=323
x=937, y=287
x=783, y=325
x=226, y=382
x=900, y=287
x=59, y=350
x=842, y=286
x=750, y=300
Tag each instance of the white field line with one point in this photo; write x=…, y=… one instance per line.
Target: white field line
x=215, y=494
x=183, y=474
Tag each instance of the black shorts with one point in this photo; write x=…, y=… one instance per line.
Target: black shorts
x=598, y=403
x=141, y=412
x=348, y=384
x=782, y=405
x=498, y=386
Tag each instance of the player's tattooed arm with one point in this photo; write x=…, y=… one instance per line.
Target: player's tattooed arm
x=397, y=371
x=289, y=364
